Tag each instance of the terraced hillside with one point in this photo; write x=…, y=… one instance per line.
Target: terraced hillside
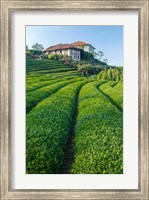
x=73, y=123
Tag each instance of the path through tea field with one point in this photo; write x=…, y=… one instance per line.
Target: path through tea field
x=74, y=124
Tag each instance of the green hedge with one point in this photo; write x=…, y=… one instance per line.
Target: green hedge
x=98, y=145
x=38, y=78
x=119, y=86
x=33, y=98
x=114, y=93
x=57, y=70
x=33, y=64
x=32, y=87
x=49, y=67
x=48, y=127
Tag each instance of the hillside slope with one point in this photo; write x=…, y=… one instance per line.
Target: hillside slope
x=73, y=122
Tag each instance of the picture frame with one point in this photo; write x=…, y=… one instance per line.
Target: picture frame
x=7, y=8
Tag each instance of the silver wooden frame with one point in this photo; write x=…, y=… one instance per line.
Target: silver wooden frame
x=7, y=6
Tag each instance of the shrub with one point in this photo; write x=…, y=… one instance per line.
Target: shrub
x=48, y=128
x=40, y=84
x=116, y=95
x=33, y=98
x=84, y=68
x=51, y=56
x=44, y=56
x=98, y=145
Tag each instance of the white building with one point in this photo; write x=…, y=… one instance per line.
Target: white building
x=67, y=49
x=73, y=49
x=85, y=46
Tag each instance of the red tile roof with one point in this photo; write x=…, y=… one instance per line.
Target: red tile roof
x=78, y=43
x=66, y=46
x=60, y=47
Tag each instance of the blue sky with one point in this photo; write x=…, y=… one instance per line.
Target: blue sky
x=108, y=39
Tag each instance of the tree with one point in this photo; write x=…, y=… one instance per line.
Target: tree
x=105, y=60
x=84, y=68
x=68, y=60
x=96, y=54
x=103, y=75
x=100, y=54
x=26, y=47
x=93, y=69
x=110, y=74
x=99, y=77
x=38, y=47
x=110, y=77
x=98, y=68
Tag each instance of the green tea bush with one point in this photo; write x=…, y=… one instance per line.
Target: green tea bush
x=111, y=83
x=48, y=127
x=98, y=144
x=116, y=95
x=67, y=73
x=39, y=78
x=35, y=65
x=119, y=86
x=35, y=86
x=33, y=98
x=56, y=70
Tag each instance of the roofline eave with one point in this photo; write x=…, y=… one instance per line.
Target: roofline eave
x=62, y=49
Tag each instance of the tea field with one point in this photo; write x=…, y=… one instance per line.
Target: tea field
x=74, y=124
